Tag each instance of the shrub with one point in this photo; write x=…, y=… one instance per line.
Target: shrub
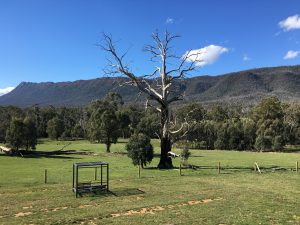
x=140, y=149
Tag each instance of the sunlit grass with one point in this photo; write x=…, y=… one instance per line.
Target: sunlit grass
x=244, y=197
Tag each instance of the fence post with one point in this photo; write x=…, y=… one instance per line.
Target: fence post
x=297, y=166
x=219, y=167
x=95, y=176
x=46, y=176
x=257, y=167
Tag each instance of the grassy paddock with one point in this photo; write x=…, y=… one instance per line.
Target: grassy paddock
x=201, y=196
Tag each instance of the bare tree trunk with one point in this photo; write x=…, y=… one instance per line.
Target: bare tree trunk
x=165, y=147
x=165, y=142
x=108, y=144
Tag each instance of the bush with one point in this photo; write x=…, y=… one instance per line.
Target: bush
x=185, y=154
x=140, y=149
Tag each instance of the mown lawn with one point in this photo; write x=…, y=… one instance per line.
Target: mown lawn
x=201, y=196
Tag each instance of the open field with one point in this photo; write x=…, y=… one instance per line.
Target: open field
x=201, y=196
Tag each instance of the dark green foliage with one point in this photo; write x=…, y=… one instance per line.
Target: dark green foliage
x=77, y=131
x=268, y=127
x=124, y=122
x=6, y=114
x=191, y=112
x=22, y=133
x=140, y=149
x=30, y=133
x=149, y=124
x=15, y=133
x=103, y=124
x=222, y=141
x=218, y=114
x=55, y=128
x=249, y=130
x=185, y=154
x=292, y=124
x=268, y=115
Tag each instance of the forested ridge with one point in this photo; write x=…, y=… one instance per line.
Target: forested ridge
x=244, y=87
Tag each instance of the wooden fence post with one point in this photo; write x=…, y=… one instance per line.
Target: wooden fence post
x=297, y=166
x=257, y=167
x=219, y=167
x=46, y=176
x=96, y=171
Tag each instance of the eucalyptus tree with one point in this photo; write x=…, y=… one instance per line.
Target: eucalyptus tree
x=160, y=86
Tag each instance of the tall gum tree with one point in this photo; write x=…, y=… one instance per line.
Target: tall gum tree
x=159, y=86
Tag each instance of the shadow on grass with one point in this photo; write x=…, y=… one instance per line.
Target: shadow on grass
x=49, y=154
x=235, y=169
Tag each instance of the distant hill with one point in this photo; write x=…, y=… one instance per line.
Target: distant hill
x=245, y=87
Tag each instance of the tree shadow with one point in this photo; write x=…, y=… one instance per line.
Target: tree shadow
x=57, y=154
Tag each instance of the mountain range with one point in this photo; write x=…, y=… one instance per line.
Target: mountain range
x=244, y=87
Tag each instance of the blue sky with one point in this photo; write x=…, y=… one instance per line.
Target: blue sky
x=54, y=40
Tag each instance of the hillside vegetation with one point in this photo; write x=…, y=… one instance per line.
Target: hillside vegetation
x=245, y=87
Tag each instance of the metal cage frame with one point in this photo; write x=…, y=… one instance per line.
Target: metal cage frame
x=91, y=186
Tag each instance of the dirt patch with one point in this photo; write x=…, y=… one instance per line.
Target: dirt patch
x=58, y=208
x=20, y=214
x=152, y=210
x=83, y=206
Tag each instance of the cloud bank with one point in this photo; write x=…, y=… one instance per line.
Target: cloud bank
x=4, y=91
x=290, y=23
x=291, y=54
x=205, y=56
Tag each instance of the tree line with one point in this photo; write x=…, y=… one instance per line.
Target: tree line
x=268, y=126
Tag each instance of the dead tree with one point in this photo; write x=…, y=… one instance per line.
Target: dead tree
x=159, y=86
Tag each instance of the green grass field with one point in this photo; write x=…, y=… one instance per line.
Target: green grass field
x=201, y=196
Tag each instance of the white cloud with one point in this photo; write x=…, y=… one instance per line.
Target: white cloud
x=246, y=58
x=4, y=91
x=205, y=56
x=169, y=20
x=291, y=54
x=290, y=23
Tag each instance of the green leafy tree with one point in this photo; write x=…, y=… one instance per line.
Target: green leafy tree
x=222, y=141
x=124, y=122
x=185, y=154
x=249, y=130
x=15, y=133
x=6, y=115
x=268, y=115
x=236, y=134
x=149, y=124
x=218, y=113
x=292, y=124
x=103, y=123
x=140, y=149
x=77, y=131
x=55, y=128
x=30, y=133
x=22, y=133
